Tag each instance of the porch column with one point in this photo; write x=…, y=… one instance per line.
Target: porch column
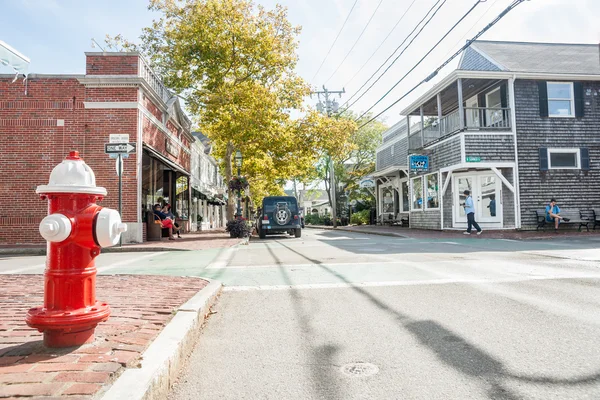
x=422, y=127
x=439, y=105
x=461, y=109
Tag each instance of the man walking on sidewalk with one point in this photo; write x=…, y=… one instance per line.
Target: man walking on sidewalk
x=470, y=211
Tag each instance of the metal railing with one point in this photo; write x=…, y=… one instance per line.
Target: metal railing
x=475, y=118
x=146, y=73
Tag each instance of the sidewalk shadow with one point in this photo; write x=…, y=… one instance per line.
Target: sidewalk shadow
x=457, y=352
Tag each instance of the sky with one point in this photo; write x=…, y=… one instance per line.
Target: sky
x=54, y=34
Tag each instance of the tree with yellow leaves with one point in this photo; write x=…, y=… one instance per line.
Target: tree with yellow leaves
x=234, y=64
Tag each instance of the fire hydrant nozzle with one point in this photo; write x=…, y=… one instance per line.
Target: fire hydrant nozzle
x=76, y=228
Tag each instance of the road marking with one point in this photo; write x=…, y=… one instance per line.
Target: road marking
x=404, y=283
x=220, y=265
x=127, y=262
x=223, y=258
x=19, y=270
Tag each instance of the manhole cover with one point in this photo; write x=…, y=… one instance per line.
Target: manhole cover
x=360, y=369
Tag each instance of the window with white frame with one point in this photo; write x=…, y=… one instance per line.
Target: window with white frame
x=561, y=99
x=564, y=159
x=388, y=200
x=405, y=202
x=417, y=193
x=431, y=187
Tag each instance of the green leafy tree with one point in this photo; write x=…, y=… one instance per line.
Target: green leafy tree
x=234, y=64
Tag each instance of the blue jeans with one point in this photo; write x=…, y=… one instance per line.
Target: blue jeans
x=471, y=222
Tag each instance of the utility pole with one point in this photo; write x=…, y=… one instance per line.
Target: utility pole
x=330, y=108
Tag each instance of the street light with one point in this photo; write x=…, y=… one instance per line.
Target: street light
x=238, y=164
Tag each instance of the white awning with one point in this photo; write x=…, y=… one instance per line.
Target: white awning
x=391, y=170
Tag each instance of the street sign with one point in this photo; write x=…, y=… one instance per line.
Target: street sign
x=119, y=148
x=367, y=183
x=118, y=138
x=473, y=159
x=419, y=163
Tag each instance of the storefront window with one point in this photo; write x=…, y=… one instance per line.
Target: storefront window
x=182, y=197
x=388, y=200
x=431, y=182
x=405, y=202
x=417, y=193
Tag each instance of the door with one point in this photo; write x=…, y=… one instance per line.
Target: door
x=485, y=189
x=472, y=112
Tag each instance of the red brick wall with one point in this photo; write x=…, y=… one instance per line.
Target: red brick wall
x=111, y=65
x=32, y=144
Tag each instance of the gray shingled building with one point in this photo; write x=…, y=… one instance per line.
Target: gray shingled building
x=515, y=123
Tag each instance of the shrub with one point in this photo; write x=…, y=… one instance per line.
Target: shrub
x=238, y=228
x=313, y=219
x=360, y=218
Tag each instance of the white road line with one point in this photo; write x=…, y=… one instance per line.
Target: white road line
x=128, y=262
x=223, y=258
x=403, y=283
x=19, y=270
x=328, y=265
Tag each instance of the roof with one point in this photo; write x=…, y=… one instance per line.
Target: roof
x=552, y=58
x=204, y=140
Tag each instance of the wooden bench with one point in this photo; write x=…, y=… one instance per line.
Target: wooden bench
x=574, y=216
x=154, y=232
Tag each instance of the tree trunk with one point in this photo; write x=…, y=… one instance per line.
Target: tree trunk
x=229, y=175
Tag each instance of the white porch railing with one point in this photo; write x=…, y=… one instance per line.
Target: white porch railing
x=146, y=73
x=479, y=118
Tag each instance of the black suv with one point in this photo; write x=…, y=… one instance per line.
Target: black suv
x=279, y=214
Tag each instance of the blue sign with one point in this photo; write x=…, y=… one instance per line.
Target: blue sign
x=419, y=163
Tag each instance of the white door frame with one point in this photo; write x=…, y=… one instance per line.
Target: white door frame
x=458, y=222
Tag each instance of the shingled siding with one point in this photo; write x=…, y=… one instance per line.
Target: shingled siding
x=442, y=155
x=385, y=158
x=508, y=200
x=490, y=147
x=425, y=219
x=447, y=203
x=572, y=188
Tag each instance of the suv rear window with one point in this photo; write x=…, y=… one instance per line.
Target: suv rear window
x=270, y=204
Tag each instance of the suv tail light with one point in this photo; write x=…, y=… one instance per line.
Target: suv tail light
x=266, y=217
x=295, y=217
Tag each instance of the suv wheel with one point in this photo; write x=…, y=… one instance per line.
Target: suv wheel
x=262, y=233
x=298, y=232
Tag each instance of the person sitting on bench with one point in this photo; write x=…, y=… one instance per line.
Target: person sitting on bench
x=553, y=214
x=165, y=221
x=167, y=211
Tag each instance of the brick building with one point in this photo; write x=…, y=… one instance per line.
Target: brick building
x=46, y=116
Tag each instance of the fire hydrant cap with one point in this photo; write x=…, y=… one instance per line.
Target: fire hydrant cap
x=109, y=227
x=72, y=175
x=55, y=228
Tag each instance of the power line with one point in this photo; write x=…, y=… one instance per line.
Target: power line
x=394, y=52
x=357, y=39
x=449, y=60
x=425, y=56
x=381, y=44
x=334, y=42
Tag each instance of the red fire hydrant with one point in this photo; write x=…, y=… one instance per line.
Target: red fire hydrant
x=75, y=228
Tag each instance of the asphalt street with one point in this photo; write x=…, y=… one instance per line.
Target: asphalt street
x=340, y=315
x=337, y=315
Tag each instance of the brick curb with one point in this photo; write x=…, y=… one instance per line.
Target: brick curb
x=162, y=360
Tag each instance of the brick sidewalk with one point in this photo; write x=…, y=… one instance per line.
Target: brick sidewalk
x=433, y=234
x=138, y=314
x=192, y=241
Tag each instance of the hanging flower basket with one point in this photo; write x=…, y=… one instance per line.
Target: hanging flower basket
x=238, y=183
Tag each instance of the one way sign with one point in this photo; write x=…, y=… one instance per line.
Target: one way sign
x=119, y=148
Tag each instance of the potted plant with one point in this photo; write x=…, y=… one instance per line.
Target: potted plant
x=199, y=222
x=238, y=228
x=238, y=183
